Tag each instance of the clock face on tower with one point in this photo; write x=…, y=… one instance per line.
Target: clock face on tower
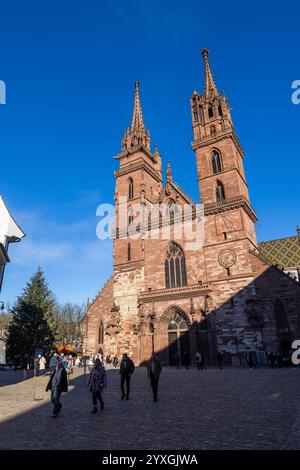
x=227, y=258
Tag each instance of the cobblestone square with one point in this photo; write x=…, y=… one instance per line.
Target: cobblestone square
x=212, y=409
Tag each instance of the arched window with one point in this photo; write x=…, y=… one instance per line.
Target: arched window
x=175, y=270
x=281, y=318
x=101, y=333
x=130, y=216
x=220, y=192
x=128, y=252
x=216, y=162
x=172, y=207
x=210, y=111
x=178, y=322
x=220, y=110
x=130, y=188
x=213, y=131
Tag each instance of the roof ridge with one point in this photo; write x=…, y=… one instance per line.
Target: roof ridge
x=184, y=193
x=100, y=290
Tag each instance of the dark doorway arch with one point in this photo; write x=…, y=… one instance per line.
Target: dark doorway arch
x=179, y=339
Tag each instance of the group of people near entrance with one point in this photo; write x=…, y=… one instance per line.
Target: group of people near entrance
x=97, y=381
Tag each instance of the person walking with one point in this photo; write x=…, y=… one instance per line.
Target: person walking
x=42, y=364
x=115, y=361
x=53, y=362
x=198, y=358
x=220, y=360
x=271, y=360
x=154, y=369
x=251, y=362
x=58, y=384
x=126, y=371
x=96, y=383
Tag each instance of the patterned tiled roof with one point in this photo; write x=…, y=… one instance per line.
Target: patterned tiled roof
x=284, y=252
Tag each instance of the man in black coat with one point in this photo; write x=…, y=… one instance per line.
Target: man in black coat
x=126, y=371
x=58, y=384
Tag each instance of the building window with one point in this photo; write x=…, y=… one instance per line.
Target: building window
x=175, y=269
x=130, y=188
x=128, y=252
x=220, y=110
x=216, y=162
x=172, y=208
x=130, y=216
x=212, y=131
x=178, y=322
x=101, y=333
x=210, y=111
x=220, y=192
x=281, y=318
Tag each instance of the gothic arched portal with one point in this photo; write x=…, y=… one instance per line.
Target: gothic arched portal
x=179, y=339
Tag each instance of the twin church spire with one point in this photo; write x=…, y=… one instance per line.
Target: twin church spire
x=209, y=83
x=136, y=135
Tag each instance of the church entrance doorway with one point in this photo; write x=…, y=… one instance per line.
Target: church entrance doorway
x=179, y=340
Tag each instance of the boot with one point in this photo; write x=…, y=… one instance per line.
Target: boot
x=94, y=410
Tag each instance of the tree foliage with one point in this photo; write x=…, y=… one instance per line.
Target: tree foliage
x=34, y=322
x=70, y=324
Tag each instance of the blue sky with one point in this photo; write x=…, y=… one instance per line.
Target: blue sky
x=69, y=68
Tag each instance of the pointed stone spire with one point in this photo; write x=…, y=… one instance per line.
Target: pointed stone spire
x=169, y=173
x=209, y=84
x=137, y=122
x=136, y=135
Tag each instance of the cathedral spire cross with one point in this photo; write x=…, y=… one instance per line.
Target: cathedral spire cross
x=209, y=84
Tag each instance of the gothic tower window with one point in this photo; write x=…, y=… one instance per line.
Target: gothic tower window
x=210, y=111
x=128, y=252
x=172, y=208
x=281, y=318
x=220, y=192
x=175, y=270
x=130, y=188
x=130, y=216
x=212, y=131
x=220, y=110
x=216, y=162
x=101, y=333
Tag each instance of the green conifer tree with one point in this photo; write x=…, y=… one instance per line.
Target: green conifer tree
x=34, y=321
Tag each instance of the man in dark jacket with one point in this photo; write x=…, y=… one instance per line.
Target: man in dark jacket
x=126, y=371
x=58, y=383
x=154, y=369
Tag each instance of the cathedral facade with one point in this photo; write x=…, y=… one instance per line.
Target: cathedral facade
x=220, y=296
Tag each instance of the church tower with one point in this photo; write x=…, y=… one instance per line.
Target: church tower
x=220, y=169
x=138, y=185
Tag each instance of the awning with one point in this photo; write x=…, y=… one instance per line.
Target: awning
x=10, y=231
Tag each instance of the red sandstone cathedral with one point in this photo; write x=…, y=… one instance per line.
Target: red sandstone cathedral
x=224, y=296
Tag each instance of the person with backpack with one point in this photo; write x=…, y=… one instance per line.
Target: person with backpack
x=96, y=383
x=126, y=371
